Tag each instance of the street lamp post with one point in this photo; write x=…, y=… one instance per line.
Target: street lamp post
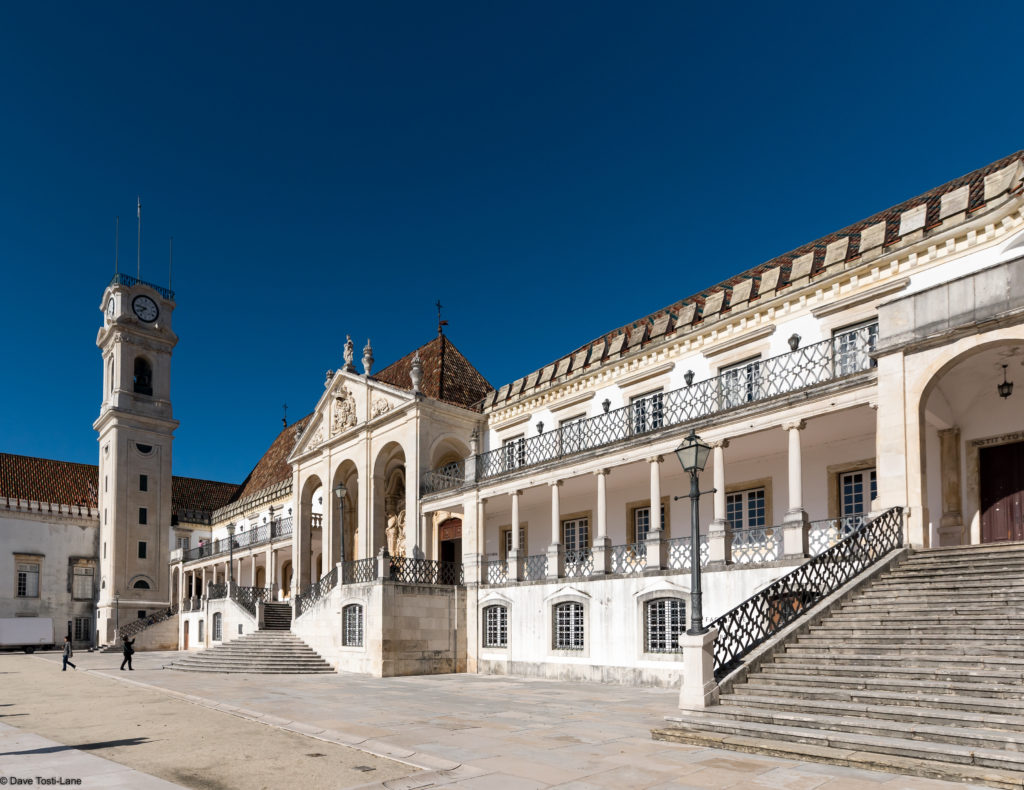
x=693, y=455
x=117, y=615
x=231, y=553
x=340, y=491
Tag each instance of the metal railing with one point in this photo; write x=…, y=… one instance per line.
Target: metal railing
x=215, y=591
x=317, y=590
x=629, y=557
x=535, y=567
x=417, y=571
x=829, y=360
x=249, y=597
x=496, y=572
x=358, y=571
x=828, y=532
x=136, y=626
x=763, y=615
x=264, y=533
x=579, y=563
x=127, y=280
x=448, y=476
x=679, y=554
x=756, y=545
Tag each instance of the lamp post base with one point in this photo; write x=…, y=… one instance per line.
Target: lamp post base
x=700, y=689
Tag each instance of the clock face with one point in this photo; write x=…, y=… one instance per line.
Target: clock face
x=145, y=308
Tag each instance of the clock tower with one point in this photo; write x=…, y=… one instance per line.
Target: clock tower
x=135, y=428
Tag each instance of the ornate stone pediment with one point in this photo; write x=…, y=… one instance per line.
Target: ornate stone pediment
x=380, y=406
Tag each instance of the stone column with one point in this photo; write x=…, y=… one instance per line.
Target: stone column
x=720, y=531
x=202, y=589
x=796, y=526
x=516, y=555
x=252, y=570
x=656, y=546
x=700, y=690
x=270, y=575
x=301, y=540
x=556, y=551
x=426, y=541
x=470, y=534
x=951, y=525
x=602, y=543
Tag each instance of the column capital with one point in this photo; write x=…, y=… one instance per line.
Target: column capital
x=655, y=459
x=602, y=472
x=795, y=425
x=516, y=492
x=554, y=483
x=723, y=443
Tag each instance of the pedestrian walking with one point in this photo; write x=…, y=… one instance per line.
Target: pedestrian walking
x=127, y=650
x=68, y=652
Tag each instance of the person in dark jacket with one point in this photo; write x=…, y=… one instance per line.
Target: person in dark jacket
x=127, y=650
x=68, y=652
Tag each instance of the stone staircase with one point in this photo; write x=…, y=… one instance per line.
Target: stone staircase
x=277, y=616
x=268, y=652
x=920, y=672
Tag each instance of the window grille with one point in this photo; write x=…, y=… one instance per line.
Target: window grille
x=28, y=579
x=352, y=625
x=217, y=626
x=665, y=621
x=648, y=412
x=568, y=626
x=496, y=626
x=81, y=583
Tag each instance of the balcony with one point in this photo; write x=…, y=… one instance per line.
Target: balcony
x=264, y=533
x=844, y=356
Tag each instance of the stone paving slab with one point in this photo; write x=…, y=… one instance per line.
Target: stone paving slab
x=501, y=732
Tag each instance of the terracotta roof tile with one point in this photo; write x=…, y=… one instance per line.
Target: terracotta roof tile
x=447, y=375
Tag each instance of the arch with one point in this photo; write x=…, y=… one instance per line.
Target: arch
x=345, y=529
x=307, y=535
x=286, y=579
x=142, y=378
x=389, y=501
x=261, y=576
x=447, y=449
x=141, y=584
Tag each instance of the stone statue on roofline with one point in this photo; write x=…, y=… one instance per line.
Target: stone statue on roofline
x=349, y=354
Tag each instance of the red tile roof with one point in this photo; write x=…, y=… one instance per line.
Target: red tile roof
x=447, y=375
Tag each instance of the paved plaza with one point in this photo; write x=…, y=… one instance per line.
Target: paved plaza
x=155, y=728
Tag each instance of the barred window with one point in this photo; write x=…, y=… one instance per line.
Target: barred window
x=665, y=620
x=352, y=625
x=81, y=583
x=568, y=626
x=200, y=631
x=496, y=626
x=83, y=625
x=217, y=626
x=28, y=579
x=515, y=452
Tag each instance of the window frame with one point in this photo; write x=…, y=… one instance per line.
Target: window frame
x=353, y=628
x=847, y=361
x=505, y=540
x=83, y=572
x=29, y=561
x=647, y=411
x=494, y=635
x=217, y=629
x=668, y=637
x=740, y=382
x=514, y=451
x=632, y=509
x=573, y=614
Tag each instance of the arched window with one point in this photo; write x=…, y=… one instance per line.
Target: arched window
x=664, y=621
x=496, y=626
x=217, y=636
x=141, y=584
x=568, y=626
x=143, y=376
x=200, y=631
x=352, y=625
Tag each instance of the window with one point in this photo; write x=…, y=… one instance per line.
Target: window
x=143, y=515
x=81, y=583
x=852, y=347
x=856, y=490
x=200, y=631
x=217, y=627
x=496, y=626
x=568, y=626
x=141, y=584
x=143, y=380
x=28, y=579
x=746, y=509
x=640, y=523
x=143, y=483
x=181, y=543
x=740, y=383
x=142, y=549
x=83, y=628
x=145, y=449
x=352, y=625
x=648, y=414
x=664, y=621
x=515, y=452
x=506, y=540
x=576, y=534
x=571, y=434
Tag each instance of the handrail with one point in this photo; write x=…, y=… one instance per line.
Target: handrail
x=764, y=614
x=136, y=626
x=316, y=591
x=249, y=597
x=120, y=278
x=264, y=533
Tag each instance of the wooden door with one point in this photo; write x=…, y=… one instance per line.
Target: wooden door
x=1002, y=492
x=185, y=641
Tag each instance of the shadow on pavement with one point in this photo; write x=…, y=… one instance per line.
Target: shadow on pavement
x=80, y=746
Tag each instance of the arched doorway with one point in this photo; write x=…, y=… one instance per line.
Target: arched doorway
x=286, y=579
x=391, y=526
x=450, y=540
x=184, y=641
x=261, y=577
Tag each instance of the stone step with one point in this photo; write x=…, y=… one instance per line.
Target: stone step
x=987, y=632
x=952, y=621
x=1003, y=697
x=1003, y=655
x=965, y=675
x=956, y=585
x=264, y=652
x=979, y=643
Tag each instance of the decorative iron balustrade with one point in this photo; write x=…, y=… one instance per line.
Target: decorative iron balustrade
x=193, y=604
x=535, y=567
x=579, y=563
x=679, y=553
x=317, y=590
x=127, y=280
x=263, y=533
x=134, y=627
x=763, y=615
x=836, y=358
x=629, y=558
x=828, y=532
x=249, y=597
x=413, y=570
x=496, y=572
x=215, y=591
x=359, y=571
x=756, y=545
x=448, y=476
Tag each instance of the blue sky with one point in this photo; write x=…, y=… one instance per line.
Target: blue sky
x=549, y=171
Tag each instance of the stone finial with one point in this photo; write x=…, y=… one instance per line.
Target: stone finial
x=349, y=354
x=327, y=381
x=474, y=441
x=367, y=358
x=416, y=373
